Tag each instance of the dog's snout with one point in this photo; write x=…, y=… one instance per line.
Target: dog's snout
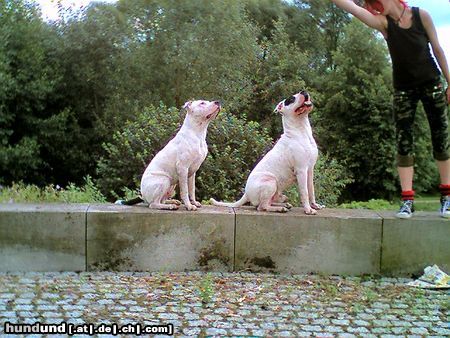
x=217, y=103
x=307, y=102
x=305, y=95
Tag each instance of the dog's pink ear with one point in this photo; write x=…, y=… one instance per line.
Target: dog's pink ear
x=187, y=105
x=278, y=108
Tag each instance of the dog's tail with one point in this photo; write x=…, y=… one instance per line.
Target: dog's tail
x=240, y=203
x=132, y=201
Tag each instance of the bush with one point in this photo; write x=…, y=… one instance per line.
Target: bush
x=330, y=179
x=131, y=148
x=21, y=193
x=235, y=146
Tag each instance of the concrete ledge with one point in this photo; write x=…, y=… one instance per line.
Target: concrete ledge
x=412, y=244
x=337, y=241
x=135, y=238
x=75, y=237
x=43, y=237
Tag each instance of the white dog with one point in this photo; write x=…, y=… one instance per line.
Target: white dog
x=292, y=157
x=179, y=160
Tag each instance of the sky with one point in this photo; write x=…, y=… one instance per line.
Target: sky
x=438, y=9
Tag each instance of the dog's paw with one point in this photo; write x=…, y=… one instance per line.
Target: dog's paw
x=288, y=206
x=197, y=204
x=310, y=211
x=191, y=207
x=317, y=206
x=172, y=201
x=284, y=209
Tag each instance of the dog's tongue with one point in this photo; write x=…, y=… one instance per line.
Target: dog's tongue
x=304, y=105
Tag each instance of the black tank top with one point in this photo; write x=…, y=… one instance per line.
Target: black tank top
x=412, y=62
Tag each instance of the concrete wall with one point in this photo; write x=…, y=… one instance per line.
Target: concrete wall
x=43, y=237
x=410, y=245
x=137, y=238
x=76, y=237
x=333, y=242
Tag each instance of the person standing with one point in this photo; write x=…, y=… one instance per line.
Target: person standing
x=409, y=32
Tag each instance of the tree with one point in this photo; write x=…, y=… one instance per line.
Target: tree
x=279, y=72
x=356, y=124
x=319, y=28
x=189, y=49
x=27, y=81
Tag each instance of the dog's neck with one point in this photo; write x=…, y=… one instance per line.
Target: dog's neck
x=292, y=127
x=191, y=124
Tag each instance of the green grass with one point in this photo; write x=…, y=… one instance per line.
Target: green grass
x=373, y=204
x=421, y=203
x=22, y=193
x=206, y=289
x=427, y=203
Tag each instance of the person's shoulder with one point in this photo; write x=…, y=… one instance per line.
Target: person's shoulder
x=425, y=16
x=423, y=13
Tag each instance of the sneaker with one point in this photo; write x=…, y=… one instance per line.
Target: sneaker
x=406, y=209
x=445, y=206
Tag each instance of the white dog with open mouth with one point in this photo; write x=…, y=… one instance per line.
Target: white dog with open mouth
x=179, y=160
x=292, y=157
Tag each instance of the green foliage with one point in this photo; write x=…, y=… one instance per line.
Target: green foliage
x=22, y=193
x=356, y=124
x=88, y=54
x=279, y=73
x=133, y=146
x=427, y=203
x=330, y=179
x=70, y=90
x=25, y=87
x=420, y=203
x=235, y=146
x=372, y=204
x=188, y=49
x=206, y=289
x=318, y=28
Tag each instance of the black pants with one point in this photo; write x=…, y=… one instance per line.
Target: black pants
x=435, y=105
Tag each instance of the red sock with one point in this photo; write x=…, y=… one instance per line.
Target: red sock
x=407, y=195
x=444, y=189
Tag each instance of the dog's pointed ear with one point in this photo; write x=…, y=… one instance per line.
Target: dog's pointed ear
x=187, y=105
x=278, y=108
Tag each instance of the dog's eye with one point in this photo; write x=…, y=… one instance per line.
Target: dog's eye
x=289, y=100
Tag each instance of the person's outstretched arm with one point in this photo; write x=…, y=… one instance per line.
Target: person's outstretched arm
x=378, y=22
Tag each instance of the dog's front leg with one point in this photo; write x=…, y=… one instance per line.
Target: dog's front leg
x=184, y=190
x=191, y=188
x=302, y=181
x=312, y=196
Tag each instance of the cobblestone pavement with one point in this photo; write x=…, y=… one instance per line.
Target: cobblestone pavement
x=228, y=304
